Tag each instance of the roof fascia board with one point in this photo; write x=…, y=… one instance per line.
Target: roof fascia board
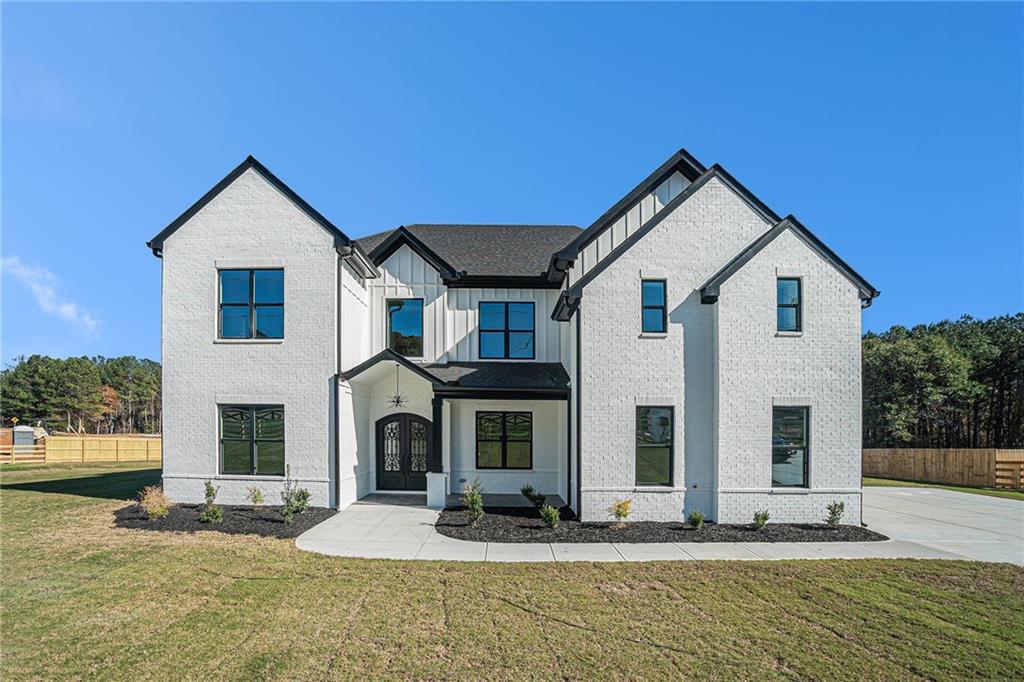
x=403, y=237
x=501, y=281
x=388, y=354
x=483, y=393
x=340, y=238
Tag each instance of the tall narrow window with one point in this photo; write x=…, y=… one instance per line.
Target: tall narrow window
x=504, y=440
x=788, y=302
x=652, y=301
x=506, y=331
x=654, y=445
x=251, y=304
x=252, y=440
x=405, y=326
x=790, y=447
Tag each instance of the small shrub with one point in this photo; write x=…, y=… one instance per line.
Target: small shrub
x=154, y=502
x=761, y=518
x=550, y=515
x=255, y=496
x=212, y=513
x=620, y=510
x=294, y=500
x=697, y=519
x=835, y=514
x=473, y=498
x=535, y=498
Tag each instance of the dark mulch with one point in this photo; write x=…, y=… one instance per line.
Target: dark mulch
x=238, y=520
x=523, y=524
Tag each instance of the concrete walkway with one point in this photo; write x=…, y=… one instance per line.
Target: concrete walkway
x=400, y=527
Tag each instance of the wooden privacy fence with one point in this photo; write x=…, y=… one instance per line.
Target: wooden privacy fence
x=984, y=467
x=76, y=449
x=22, y=453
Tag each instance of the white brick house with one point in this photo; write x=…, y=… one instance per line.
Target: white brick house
x=689, y=350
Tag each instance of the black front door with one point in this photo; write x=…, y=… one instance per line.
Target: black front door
x=403, y=448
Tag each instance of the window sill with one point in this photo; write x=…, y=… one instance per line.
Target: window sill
x=653, y=335
x=656, y=489
x=245, y=341
x=788, y=334
x=248, y=477
x=789, y=491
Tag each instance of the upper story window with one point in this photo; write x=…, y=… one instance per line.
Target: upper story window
x=652, y=301
x=405, y=326
x=790, y=447
x=506, y=330
x=252, y=440
x=654, y=445
x=251, y=304
x=788, y=304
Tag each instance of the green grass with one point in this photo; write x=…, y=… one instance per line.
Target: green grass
x=80, y=598
x=991, y=492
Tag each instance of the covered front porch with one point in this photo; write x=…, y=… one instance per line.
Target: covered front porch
x=431, y=429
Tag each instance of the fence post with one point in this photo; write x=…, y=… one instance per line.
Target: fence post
x=117, y=449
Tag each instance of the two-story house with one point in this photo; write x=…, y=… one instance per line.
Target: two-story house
x=690, y=349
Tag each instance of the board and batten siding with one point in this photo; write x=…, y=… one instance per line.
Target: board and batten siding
x=638, y=214
x=450, y=316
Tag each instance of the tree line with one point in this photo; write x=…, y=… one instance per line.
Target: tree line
x=953, y=384
x=82, y=395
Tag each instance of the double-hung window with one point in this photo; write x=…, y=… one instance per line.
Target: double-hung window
x=504, y=440
x=251, y=304
x=654, y=445
x=405, y=326
x=788, y=304
x=506, y=331
x=652, y=303
x=790, y=447
x=252, y=440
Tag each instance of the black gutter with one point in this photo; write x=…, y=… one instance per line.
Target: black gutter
x=579, y=415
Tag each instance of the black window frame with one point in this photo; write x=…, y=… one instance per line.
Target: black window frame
x=798, y=306
x=806, y=483
x=663, y=307
x=423, y=314
x=503, y=439
x=252, y=439
x=252, y=305
x=506, y=330
x=638, y=445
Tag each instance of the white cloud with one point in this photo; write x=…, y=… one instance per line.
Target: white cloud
x=43, y=285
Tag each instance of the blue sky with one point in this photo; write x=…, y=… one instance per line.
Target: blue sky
x=892, y=131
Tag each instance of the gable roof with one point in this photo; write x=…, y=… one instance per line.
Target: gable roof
x=345, y=246
x=710, y=290
x=477, y=254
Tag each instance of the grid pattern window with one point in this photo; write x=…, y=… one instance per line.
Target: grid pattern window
x=405, y=326
x=252, y=440
x=654, y=445
x=251, y=304
x=507, y=331
x=653, y=307
x=504, y=440
x=790, y=447
x=788, y=304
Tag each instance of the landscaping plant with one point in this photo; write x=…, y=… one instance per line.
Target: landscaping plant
x=535, y=498
x=621, y=509
x=294, y=500
x=473, y=498
x=835, y=514
x=550, y=515
x=697, y=519
x=255, y=496
x=761, y=518
x=212, y=513
x=154, y=502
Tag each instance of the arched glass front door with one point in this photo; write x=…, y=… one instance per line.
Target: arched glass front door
x=403, y=449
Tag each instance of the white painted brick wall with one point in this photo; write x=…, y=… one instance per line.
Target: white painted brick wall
x=758, y=368
x=622, y=368
x=249, y=224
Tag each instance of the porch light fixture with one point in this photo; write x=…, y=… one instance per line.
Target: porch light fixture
x=396, y=399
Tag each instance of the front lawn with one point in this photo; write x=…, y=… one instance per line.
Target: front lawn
x=991, y=492
x=80, y=597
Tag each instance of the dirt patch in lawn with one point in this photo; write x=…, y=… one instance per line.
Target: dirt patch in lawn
x=523, y=524
x=238, y=520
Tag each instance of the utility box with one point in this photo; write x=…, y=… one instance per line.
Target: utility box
x=24, y=435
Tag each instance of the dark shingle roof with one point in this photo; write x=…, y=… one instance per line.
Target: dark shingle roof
x=542, y=375
x=489, y=250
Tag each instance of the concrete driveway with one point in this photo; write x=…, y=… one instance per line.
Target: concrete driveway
x=972, y=526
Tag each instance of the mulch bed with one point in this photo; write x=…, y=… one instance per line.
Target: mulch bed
x=523, y=524
x=238, y=520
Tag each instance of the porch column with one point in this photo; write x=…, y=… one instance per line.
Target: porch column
x=437, y=480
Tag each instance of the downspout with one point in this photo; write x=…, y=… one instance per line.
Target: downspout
x=579, y=410
x=337, y=382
